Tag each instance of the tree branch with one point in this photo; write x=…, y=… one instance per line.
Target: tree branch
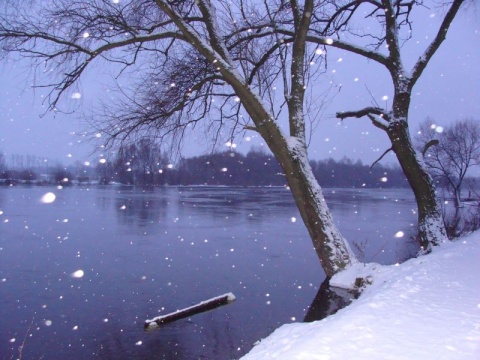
x=376, y=115
x=428, y=145
x=381, y=157
x=437, y=41
x=339, y=44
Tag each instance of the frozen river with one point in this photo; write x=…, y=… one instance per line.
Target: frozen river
x=79, y=275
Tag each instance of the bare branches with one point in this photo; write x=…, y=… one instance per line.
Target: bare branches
x=391, y=26
x=216, y=40
x=176, y=95
x=249, y=44
x=339, y=17
x=457, y=150
x=342, y=16
x=437, y=41
x=70, y=35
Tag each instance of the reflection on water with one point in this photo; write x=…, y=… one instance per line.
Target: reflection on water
x=328, y=301
x=145, y=252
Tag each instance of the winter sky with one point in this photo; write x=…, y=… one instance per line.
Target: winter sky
x=448, y=90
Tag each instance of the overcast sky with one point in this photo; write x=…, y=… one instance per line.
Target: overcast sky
x=448, y=90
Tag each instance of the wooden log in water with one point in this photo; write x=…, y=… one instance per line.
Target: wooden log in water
x=192, y=310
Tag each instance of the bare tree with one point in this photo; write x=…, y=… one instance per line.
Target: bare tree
x=216, y=63
x=450, y=152
x=390, y=27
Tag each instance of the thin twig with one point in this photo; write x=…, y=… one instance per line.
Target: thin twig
x=381, y=157
x=20, y=349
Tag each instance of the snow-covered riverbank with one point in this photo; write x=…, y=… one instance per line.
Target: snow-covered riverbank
x=426, y=308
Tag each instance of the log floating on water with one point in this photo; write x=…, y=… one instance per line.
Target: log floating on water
x=192, y=310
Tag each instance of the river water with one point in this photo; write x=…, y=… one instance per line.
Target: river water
x=80, y=274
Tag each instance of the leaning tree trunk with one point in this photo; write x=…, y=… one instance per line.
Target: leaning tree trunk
x=431, y=228
x=331, y=248
x=291, y=153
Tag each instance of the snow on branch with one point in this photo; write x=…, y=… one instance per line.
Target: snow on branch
x=344, y=45
x=377, y=115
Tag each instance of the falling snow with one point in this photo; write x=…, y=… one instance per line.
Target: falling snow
x=78, y=274
x=48, y=198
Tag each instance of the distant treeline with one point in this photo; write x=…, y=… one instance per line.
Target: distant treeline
x=144, y=163
x=256, y=168
x=260, y=169
x=137, y=166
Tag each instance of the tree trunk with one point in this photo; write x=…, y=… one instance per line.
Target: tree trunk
x=291, y=153
x=431, y=229
x=331, y=248
x=457, y=197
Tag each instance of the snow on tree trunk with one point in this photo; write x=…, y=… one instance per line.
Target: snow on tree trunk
x=332, y=249
x=330, y=246
x=431, y=229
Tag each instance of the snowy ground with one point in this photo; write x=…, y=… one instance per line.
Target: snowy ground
x=426, y=308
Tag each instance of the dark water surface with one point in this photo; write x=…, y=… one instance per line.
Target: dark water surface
x=148, y=252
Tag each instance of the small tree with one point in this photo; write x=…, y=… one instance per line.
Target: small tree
x=105, y=170
x=122, y=164
x=148, y=161
x=450, y=152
